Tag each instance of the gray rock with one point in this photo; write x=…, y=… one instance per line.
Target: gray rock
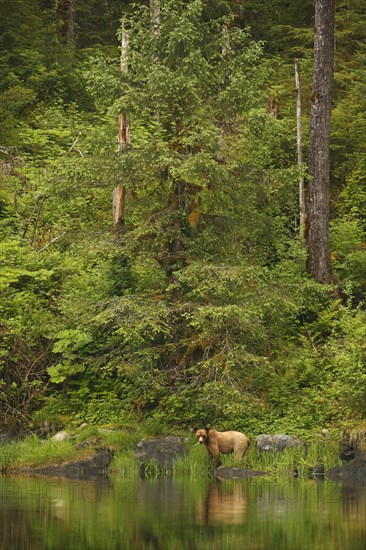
x=354, y=472
x=60, y=436
x=225, y=472
x=7, y=436
x=346, y=456
x=269, y=443
x=87, y=468
x=163, y=450
x=353, y=443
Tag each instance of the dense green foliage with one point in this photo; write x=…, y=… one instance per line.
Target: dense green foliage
x=199, y=309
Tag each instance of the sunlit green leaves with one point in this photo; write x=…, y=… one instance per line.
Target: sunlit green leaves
x=59, y=373
x=70, y=340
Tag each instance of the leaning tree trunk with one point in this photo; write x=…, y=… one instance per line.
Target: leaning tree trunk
x=66, y=10
x=317, y=199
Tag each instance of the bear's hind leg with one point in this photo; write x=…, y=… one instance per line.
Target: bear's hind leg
x=239, y=452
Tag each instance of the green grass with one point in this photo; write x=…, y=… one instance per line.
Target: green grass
x=124, y=465
x=195, y=464
x=276, y=464
x=120, y=440
x=284, y=464
x=32, y=452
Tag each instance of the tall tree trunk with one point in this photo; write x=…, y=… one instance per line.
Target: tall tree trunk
x=317, y=199
x=155, y=16
x=66, y=10
x=124, y=141
x=155, y=29
x=299, y=152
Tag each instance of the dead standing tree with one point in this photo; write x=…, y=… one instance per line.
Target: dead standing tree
x=124, y=133
x=299, y=152
x=124, y=142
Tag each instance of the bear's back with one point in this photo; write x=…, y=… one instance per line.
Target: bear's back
x=231, y=440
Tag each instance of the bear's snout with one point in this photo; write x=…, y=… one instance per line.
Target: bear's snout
x=200, y=440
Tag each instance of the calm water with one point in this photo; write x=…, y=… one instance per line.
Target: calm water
x=39, y=514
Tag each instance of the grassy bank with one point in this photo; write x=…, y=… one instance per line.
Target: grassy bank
x=121, y=442
x=30, y=451
x=292, y=461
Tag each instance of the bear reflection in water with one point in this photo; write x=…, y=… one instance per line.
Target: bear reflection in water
x=222, y=505
x=222, y=442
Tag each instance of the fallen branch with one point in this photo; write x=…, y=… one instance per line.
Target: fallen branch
x=52, y=241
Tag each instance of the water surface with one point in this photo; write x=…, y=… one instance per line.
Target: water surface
x=50, y=514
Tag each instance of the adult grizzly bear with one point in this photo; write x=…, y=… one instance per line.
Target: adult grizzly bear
x=222, y=442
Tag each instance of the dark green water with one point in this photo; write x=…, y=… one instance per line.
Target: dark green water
x=40, y=514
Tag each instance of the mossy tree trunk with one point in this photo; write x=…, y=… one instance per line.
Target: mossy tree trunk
x=66, y=10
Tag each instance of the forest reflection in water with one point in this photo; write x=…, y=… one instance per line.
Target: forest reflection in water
x=40, y=513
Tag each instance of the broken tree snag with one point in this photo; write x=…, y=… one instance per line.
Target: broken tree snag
x=299, y=152
x=119, y=205
x=317, y=194
x=119, y=192
x=273, y=106
x=124, y=142
x=124, y=135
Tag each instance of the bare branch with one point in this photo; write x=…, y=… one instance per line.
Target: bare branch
x=52, y=241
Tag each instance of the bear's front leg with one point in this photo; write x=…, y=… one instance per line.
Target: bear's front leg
x=213, y=453
x=217, y=462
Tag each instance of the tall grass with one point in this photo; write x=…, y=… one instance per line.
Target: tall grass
x=297, y=460
x=119, y=440
x=193, y=465
x=196, y=465
x=124, y=466
x=32, y=452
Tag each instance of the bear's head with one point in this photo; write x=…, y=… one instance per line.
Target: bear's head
x=202, y=434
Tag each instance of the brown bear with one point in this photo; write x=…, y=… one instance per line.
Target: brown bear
x=222, y=442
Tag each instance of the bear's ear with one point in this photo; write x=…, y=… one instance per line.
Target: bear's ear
x=207, y=429
x=195, y=429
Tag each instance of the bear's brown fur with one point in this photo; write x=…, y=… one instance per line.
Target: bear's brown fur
x=222, y=442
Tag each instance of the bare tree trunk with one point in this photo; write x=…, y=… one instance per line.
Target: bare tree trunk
x=124, y=141
x=155, y=29
x=66, y=10
x=299, y=152
x=317, y=199
x=155, y=15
